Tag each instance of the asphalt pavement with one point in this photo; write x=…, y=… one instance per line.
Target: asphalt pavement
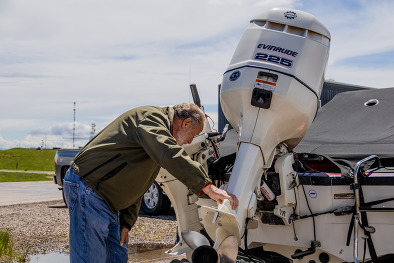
x=28, y=192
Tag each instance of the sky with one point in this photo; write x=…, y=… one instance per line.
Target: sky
x=109, y=56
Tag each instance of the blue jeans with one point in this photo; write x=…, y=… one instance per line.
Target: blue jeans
x=94, y=229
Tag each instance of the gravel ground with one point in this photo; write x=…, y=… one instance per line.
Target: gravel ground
x=43, y=227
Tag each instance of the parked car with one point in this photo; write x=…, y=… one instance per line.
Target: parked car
x=155, y=201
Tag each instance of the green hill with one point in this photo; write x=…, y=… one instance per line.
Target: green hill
x=27, y=159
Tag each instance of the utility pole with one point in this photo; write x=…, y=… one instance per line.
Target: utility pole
x=74, y=126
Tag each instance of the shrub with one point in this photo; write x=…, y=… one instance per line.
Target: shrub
x=7, y=251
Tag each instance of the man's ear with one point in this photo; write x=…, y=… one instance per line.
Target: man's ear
x=186, y=123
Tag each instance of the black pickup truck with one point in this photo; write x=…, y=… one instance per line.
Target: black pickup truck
x=155, y=200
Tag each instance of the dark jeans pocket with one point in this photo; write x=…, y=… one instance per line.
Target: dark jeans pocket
x=70, y=193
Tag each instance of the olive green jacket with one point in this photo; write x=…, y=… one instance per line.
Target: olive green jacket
x=122, y=161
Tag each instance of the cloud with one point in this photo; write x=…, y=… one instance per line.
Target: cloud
x=360, y=41
x=358, y=28
x=369, y=77
x=65, y=129
x=112, y=56
x=61, y=135
x=27, y=142
x=58, y=135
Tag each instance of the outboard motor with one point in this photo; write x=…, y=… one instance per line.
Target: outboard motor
x=270, y=95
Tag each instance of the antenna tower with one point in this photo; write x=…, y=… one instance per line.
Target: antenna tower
x=74, y=126
x=93, y=130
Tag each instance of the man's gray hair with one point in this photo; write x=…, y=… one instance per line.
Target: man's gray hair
x=189, y=110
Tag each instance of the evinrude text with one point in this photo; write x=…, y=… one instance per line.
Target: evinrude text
x=278, y=49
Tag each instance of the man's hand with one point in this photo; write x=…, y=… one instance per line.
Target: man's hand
x=219, y=195
x=124, y=236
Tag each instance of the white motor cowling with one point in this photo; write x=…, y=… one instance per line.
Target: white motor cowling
x=270, y=91
x=270, y=95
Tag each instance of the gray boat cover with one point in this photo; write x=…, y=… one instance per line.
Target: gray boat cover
x=353, y=125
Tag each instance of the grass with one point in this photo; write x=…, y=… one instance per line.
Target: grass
x=23, y=177
x=8, y=253
x=27, y=159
